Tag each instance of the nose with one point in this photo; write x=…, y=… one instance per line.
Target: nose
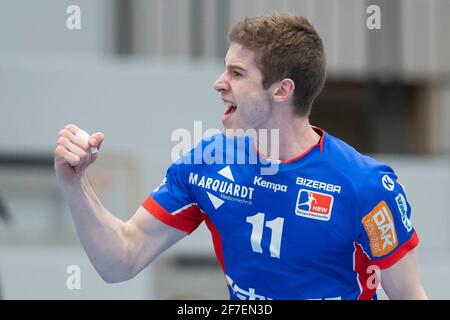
x=221, y=84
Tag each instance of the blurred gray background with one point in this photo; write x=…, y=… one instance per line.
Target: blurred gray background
x=139, y=69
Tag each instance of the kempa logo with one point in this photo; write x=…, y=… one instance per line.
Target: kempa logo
x=229, y=190
x=258, y=181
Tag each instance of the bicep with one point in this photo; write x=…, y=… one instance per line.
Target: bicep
x=147, y=237
x=402, y=280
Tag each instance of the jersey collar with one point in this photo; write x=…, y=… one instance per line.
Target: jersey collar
x=319, y=144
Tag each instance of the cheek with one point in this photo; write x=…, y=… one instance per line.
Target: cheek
x=258, y=102
x=253, y=97
x=255, y=111
x=253, y=101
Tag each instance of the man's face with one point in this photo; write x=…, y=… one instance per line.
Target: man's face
x=248, y=105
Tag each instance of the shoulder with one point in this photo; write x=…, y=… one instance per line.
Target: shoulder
x=375, y=184
x=364, y=172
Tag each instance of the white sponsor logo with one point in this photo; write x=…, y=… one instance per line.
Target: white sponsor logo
x=243, y=294
x=318, y=185
x=228, y=190
x=402, y=207
x=258, y=181
x=252, y=295
x=388, y=184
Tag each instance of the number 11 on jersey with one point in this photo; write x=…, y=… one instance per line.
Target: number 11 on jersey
x=257, y=222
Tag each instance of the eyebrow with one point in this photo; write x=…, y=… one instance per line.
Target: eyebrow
x=233, y=66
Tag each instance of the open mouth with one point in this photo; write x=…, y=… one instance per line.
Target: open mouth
x=231, y=108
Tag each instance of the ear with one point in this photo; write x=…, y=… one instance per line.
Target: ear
x=284, y=90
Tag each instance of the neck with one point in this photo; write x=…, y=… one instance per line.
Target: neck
x=286, y=140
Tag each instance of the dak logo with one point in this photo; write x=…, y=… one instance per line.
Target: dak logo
x=313, y=204
x=380, y=229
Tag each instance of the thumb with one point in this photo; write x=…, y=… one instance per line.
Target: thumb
x=96, y=140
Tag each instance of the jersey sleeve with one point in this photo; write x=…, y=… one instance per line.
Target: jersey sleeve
x=172, y=202
x=386, y=231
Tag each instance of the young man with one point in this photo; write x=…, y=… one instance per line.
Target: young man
x=317, y=228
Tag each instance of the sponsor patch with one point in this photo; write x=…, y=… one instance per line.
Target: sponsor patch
x=388, y=184
x=380, y=229
x=403, y=208
x=258, y=181
x=224, y=190
x=313, y=204
x=309, y=183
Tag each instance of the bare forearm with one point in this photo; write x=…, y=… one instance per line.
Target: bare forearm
x=415, y=293
x=101, y=234
x=402, y=280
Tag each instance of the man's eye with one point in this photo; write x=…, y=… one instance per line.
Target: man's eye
x=236, y=74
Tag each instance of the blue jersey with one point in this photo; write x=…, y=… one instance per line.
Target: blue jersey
x=317, y=229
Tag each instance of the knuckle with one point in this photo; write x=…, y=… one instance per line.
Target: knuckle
x=76, y=161
x=83, y=154
x=63, y=133
x=62, y=141
x=59, y=152
x=71, y=127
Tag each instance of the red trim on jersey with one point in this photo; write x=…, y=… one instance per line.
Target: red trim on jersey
x=399, y=253
x=187, y=220
x=320, y=144
x=361, y=264
x=322, y=138
x=217, y=241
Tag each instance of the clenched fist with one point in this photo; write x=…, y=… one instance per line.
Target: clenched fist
x=73, y=152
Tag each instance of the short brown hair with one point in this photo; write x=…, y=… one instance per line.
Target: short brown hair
x=286, y=46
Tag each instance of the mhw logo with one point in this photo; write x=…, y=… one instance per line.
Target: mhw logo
x=315, y=205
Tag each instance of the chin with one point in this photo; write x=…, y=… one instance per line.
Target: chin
x=236, y=131
x=229, y=130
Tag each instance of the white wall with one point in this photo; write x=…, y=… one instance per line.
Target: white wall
x=162, y=27
x=40, y=27
x=35, y=272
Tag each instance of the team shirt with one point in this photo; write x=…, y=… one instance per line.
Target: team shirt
x=321, y=227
